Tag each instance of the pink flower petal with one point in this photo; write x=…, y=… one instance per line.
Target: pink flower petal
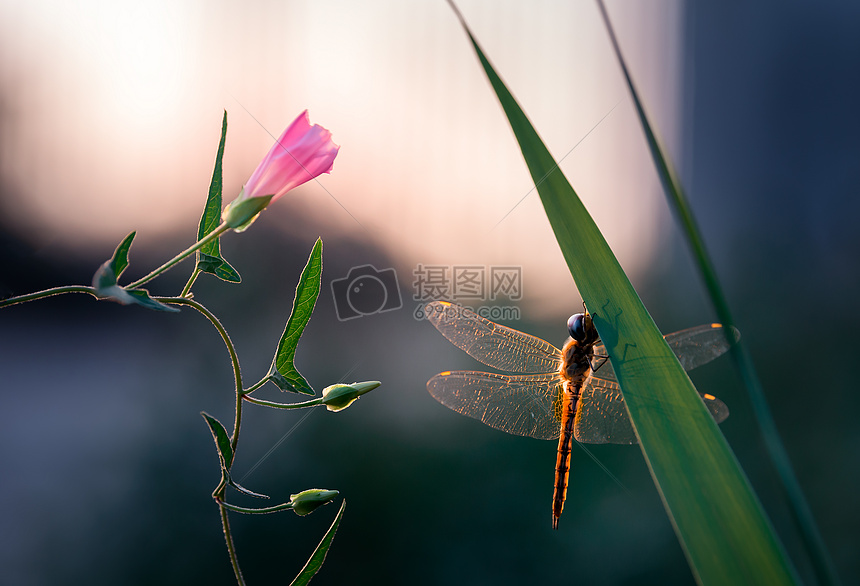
x=302, y=153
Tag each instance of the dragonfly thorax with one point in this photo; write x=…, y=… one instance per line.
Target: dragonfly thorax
x=576, y=354
x=575, y=361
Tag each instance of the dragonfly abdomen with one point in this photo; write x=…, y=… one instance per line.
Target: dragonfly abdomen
x=565, y=445
x=574, y=369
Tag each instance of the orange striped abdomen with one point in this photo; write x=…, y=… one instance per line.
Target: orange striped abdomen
x=565, y=444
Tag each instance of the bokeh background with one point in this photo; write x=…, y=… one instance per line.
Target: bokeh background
x=109, y=121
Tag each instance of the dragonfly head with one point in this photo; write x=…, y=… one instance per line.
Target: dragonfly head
x=581, y=328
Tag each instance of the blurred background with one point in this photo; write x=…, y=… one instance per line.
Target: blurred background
x=109, y=122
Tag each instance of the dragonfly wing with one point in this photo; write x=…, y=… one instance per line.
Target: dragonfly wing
x=527, y=405
x=601, y=415
x=697, y=346
x=693, y=347
x=493, y=344
x=718, y=409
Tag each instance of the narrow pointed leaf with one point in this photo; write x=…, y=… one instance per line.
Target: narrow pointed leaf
x=105, y=281
x=120, y=256
x=720, y=523
x=244, y=490
x=821, y=560
x=283, y=371
x=209, y=259
x=318, y=556
x=222, y=441
x=108, y=274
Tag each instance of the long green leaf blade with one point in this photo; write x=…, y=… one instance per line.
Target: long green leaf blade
x=318, y=556
x=717, y=517
x=821, y=561
x=283, y=371
x=209, y=259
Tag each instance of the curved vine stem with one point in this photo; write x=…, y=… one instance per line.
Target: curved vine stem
x=234, y=440
x=302, y=405
x=263, y=511
x=234, y=358
x=255, y=386
x=48, y=293
x=213, y=235
x=225, y=522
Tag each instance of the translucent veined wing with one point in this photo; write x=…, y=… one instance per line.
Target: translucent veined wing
x=601, y=416
x=527, y=405
x=693, y=347
x=493, y=344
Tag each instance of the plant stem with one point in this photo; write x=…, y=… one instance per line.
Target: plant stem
x=234, y=358
x=237, y=421
x=181, y=256
x=187, y=289
x=234, y=440
x=311, y=403
x=48, y=293
x=225, y=522
x=263, y=511
x=255, y=386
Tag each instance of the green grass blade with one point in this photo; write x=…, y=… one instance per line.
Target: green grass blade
x=318, y=556
x=720, y=523
x=283, y=371
x=821, y=561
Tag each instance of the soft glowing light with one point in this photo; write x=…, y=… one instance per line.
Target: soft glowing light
x=122, y=101
x=144, y=57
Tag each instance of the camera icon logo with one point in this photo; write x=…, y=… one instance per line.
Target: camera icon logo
x=365, y=291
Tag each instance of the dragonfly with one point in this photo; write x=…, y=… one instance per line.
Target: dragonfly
x=566, y=394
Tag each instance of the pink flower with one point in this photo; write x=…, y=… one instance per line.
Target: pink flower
x=302, y=153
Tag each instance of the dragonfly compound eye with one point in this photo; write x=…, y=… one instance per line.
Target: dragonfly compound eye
x=576, y=326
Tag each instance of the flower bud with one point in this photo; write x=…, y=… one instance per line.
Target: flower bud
x=309, y=500
x=339, y=397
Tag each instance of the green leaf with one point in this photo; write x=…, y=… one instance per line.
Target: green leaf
x=105, y=281
x=244, y=490
x=108, y=274
x=132, y=297
x=217, y=266
x=119, y=261
x=318, y=556
x=719, y=521
x=222, y=441
x=141, y=297
x=283, y=372
x=821, y=561
x=209, y=259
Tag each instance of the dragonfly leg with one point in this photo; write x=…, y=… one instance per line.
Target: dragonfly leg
x=602, y=362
